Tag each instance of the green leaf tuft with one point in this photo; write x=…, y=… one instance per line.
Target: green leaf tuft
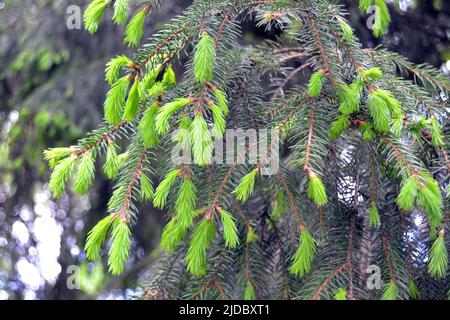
x=135, y=29
x=382, y=18
x=112, y=163
x=408, y=194
x=346, y=29
x=316, y=190
x=341, y=294
x=201, y=239
x=115, y=101
x=438, y=260
x=96, y=237
x=202, y=145
x=120, y=11
x=61, y=173
x=229, y=229
x=304, y=256
x=114, y=66
x=120, y=248
x=186, y=201
x=204, y=57
x=93, y=15
x=132, y=104
x=147, y=191
x=147, y=127
x=162, y=192
x=249, y=293
x=245, y=189
x=85, y=174
x=413, y=291
x=390, y=291
x=172, y=235
x=166, y=111
x=315, y=83
x=374, y=216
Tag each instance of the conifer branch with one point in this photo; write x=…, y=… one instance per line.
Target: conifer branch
x=319, y=290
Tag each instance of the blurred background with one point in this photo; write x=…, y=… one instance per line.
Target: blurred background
x=52, y=90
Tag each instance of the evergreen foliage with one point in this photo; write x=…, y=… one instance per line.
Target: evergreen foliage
x=363, y=155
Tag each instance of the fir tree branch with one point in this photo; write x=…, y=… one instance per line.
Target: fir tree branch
x=319, y=290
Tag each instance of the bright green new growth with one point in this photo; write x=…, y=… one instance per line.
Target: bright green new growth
x=61, y=173
x=229, y=229
x=251, y=236
x=316, y=190
x=202, y=146
x=438, y=260
x=424, y=191
x=350, y=97
x=120, y=11
x=147, y=127
x=436, y=133
x=115, y=101
x=346, y=29
x=219, y=122
x=367, y=132
x=390, y=291
x=147, y=191
x=221, y=100
x=55, y=155
x=374, y=216
x=85, y=174
x=166, y=111
x=382, y=18
x=379, y=111
x=249, y=293
x=315, y=83
x=279, y=206
x=341, y=294
x=113, y=68
x=371, y=75
x=169, y=76
x=201, y=239
x=93, y=15
x=148, y=83
x=413, y=291
x=135, y=29
x=204, y=57
x=120, y=248
x=338, y=126
x=393, y=104
x=186, y=201
x=162, y=192
x=182, y=136
x=430, y=201
x=112, y=163
x=408, y=194
x=364, y=5
x=172, y=235
x=304, y=256
x=96, y=237
x=132, y=104
x=245, y=189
